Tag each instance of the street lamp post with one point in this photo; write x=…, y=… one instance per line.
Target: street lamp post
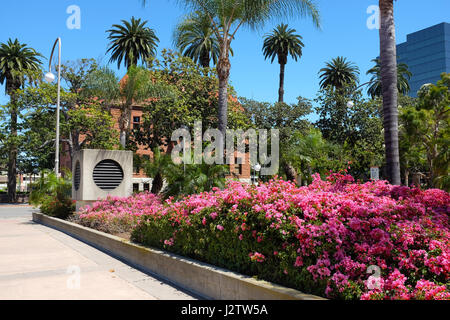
x=50, y=77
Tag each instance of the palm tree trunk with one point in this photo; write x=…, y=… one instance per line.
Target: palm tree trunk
x=205, y=59
x=12, y=160
x=388, y=63
x=281, y=90
x=223, y=70
x=124, y=125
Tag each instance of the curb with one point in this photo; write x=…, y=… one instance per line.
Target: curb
x=202, y=279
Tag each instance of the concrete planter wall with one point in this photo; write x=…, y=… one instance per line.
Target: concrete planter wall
x=200, y=278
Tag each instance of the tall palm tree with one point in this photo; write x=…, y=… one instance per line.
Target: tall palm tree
x=281, y=43
x=195, y=38
x=16, y=60
x=132, y=41
x=403, y=76
x=388, y=72
x=228, y=16
x=338, y=72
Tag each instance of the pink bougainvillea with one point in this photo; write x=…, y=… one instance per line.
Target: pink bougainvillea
x=118, y=215
x=330, y=233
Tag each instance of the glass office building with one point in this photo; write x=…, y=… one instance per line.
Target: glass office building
x=427, y=54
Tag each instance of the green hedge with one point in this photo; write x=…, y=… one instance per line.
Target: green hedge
x=205, y=243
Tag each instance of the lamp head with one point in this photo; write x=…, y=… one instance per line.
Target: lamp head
x=257, y=167
x=49, y=77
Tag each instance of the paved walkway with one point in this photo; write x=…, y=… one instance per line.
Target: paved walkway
x=37, y=262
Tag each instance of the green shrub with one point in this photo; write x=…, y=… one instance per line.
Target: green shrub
x=58, y=208
x=53, y=195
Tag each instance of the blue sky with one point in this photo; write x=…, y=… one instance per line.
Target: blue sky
x=344, y=33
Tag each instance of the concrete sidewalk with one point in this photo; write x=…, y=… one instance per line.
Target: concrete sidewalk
x=37, y=262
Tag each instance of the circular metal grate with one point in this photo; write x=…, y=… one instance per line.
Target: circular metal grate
x=108, y=175
x=77, y=176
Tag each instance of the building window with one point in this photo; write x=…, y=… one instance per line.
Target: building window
x=136, y=122
x=146, y=187
x=135, y=187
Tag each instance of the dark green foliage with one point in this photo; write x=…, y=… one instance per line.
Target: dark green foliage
x=337, y=73
x=403, y=77
x=195, y=38
x=132, y=41
x=357, y=128
x=205, y=243
x=281, y=43
x=194, y=178
x=53, y=195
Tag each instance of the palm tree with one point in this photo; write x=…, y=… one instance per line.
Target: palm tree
x=388, y=72
x=228, y=16
x=158, y=168
x=281, y=43
x=194, y=178
x=135, y=87
x=338, y=72
x=16, y=60
x=403, y=76
x=195, y=38
x=131, y=42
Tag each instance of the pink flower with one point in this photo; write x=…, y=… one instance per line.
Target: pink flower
x=257, y=257
x=220, y=227
x=213, y=215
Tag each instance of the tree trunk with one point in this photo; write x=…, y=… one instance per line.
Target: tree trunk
x=204, y=59
x=281, y=90
x=291, y=173
x=124, y=125
x=12, y=160
x=388, y=64
x=407, y=177
x=157, y=184
x=223, y=70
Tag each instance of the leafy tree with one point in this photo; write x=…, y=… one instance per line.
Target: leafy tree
x=76, y=73
x=85, y=125
x=132, y=41
x=403, y=76
x=310, y=153
x=228, y=16
x=16, y=62
x=356, y=128
x=337, y=73
x=281, y=43
x=195, y=38
x=426, y=125
x=88, y=123
x=284, y=117
x=193, y=98
x=388, y=72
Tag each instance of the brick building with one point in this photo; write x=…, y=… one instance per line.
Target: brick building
x=141, y=182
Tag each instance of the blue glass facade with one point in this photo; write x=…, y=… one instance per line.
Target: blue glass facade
x=427, y=54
